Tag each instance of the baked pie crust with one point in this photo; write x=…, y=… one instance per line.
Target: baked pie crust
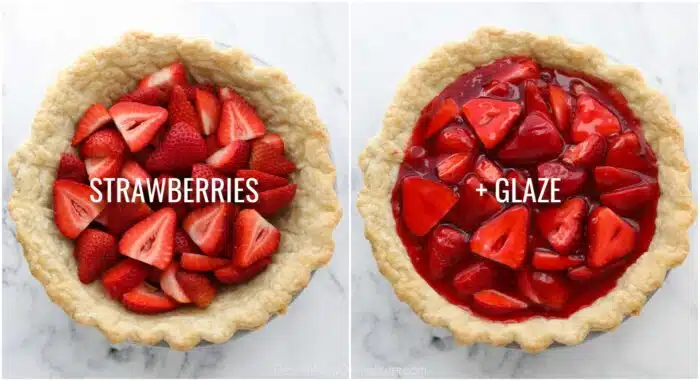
x=102, y=76
x=385, y=153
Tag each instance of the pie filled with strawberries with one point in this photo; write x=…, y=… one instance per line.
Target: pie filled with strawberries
x=540, y=192
x=158, y=113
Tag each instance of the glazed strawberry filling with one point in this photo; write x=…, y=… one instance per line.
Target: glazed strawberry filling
x=580, y=194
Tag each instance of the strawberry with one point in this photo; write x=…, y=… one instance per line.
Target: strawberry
x=229, y=94
x=497, y=302
x=142, y=156
x=132, y=171
x=547, y=260
x=206, y=172
x=611, y=178
x=549, y=290
x=70, y=167
x=73, y=209
x=103, y=143
x=199, y=262
x=124, y=276
x=630, y=199
x=197, y=287
x=154, y=276
x=424, y=203
x=491, y=118
x=589, y=153
x=138, y=123
x=207, y=227
x=208, y=109
x=212, y=142
x=562, y=225
x=238, y=121
x=610, y=237
x=255, y=238
x=592, y=117
x=146, y=299
x=103, y=167
x=153, y=96
x=571, y=179
x=265, y=181
x=415, y=156
x=151, y=240
x=562, y=106
x=272, y=201
x=474, y=278
x=265, y=158
x=520, y=178
x=182, y=148
x=183, y=243
x=181, y=110
x=120, y=216
x=452, y=168
x=447, y=111
x=192, y=90
x=504, y=238
x=273, y=140
x=584, y=273
x=533, y=98
x=487, y=171
x=516, y=70
x=626, y=151
x=94, y=117
x=535, y=140
x=170, y=286
x=455, y=139
x=231, y=158
x=95, y=251
x=447, y=247
x=497, y=89
x=232, y=274
x=465, y=215
x=166, y=78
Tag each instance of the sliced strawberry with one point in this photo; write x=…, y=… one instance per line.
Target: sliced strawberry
x=72, y=207
x=192, y=90
x=273, y=140
x=182, y=148
x=562, y=106
x=491, y=118
x=265, y=158
x=151, y=240
x=232, y=274
x=138, y=123
x=497, y=302
x=264, y=181
x=456, y=139
x=212, y=142
x=584, y=273
x=153, y=277
x=536, y=140
x=207, y=227
x=487, y=171
x=146, y=299
x=464, y=214
x=103, y=143
x=627, y=200
x=70, y=167
x=197, y=287
x=547, y=260
x=424, y=203
x=592, y=117
x=183, y=243
x=124, y=276
x=516, y=71
x=255, y=238
x=153, y=96
x=166, y=77
x=520, y=178
x=121, y=215
x=95, y=251
x=231, y=157
x=447, y=111
x=562, y=225
x=611, y=178
x=452, y=168
x=170, y=286
x=478, y=276
x=497, y=89
x=626, y=151
x=132, y=171
x=94, y=117
x=504, y=238
x=571, y=179
x=610, y=237
x=180, y=110
x=273, y=200
x=589, y=153
x=238, y=121
x=209, y=111
x=550, y=290
x=533, y=98
x=103, y=167
x=229, y=94
x=206, y=172
x=447, y=247
x=199, y=262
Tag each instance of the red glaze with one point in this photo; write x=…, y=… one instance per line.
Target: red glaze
x=480, y=83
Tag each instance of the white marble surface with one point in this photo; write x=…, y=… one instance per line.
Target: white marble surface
x=310, y=43
x=387, y=338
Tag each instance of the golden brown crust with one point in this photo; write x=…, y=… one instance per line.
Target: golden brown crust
x=384, y=153
x=101, y=76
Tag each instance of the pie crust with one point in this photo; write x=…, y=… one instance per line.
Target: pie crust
x=385, y=152
x=102, y=76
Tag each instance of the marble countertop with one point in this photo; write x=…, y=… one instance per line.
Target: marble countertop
x=310, y=42
x=388, y=339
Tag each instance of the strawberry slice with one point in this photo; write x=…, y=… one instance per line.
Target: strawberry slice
x=238, y=121
x=119, y=216
x=182, y=148
x=592, y=117
x=562, y=225
x=199, y=262
x=153, y=96
x=94, y=117
x=491, y=118
x=628, y=200
x=516, y=70
x=464, y=214
x=151, y=240
x=585, y=273
x=70, y=167
x=504, y=238
x=478, y=276
x=170, y=286
x=273, y=140
x=589, y=153
x=132, y=171
x=166, y=78
x=153, y=277
x=191, y=90
x=456, y=139
x=610, y=237
x=626, y=151
x=547, y=260
x=198, y=287
x=208, y=108
x=181, y=110
x=207, y=227
x=72, y=207
x=264, y=181
x=138, y=123
x=231, y=157
x=549, y=290
x=124, y=276
x=497, y=302
x=212, y=144
x=95, y=251
x=452, y=168
x=146, y=299
x=447, y=247
x=272, y=201
x=183, y=243
x=255, y=238
x=535, y=140
x=562, y=106
x=103, y=167
x=103, y=143
x=206, y=172
x=236, y=275
x=497, y=89
x=424, y=203
x=571, y=179
x=533, y=98
x=611, y=178
x=447, y=111
x=266, y=158
x=487, y=171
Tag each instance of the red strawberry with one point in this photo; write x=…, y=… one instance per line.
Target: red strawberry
x=465, y=215
x=571, y=180
x=533, y=98
x=232, y=274
x=487, y=171
x=95, y=251
x=207, y=227
x=456, y=139
x=120, y=216
x=212, y=142
x=415, y=157
x=197, y=287
x=103, y=167
x=625, y=151
x=151, y=240
x=589, y=153
x=265, y=158
x=611, y=178
x=133, y=172
x=630, y=199
x=70, y=167
x=536, y=140
x=153, y=96
x=138, y=123
x=199, y=262
x=229, y=94
x=592, y=117
x=231, y=158
x=94, y=117
x=504, y=238
x=478, y=276
x=516, y=70
x=183, y=243
x=72, y=207
x=610, y=237
x=562, y=105
x=424, y=203
x=447, y=111
x=170, y=286
x=264, y=181
x=273, y=140
x=562, y=225
x=547, y=260
x=166, y=78
x=273, y=200
x=255, y=238
x=142, y=156
x=124, y=276
x=497, y=89
x=497, y=302
x=192, y=90
x=452, y=168
x=146, y=299
x=584, y=273
x=154, y=276
x=446, y=248
x=238, y=121
x=103, y=143
x=182, y=148
x=550, y=290
x=206, y=172
x=491, y=118
x=520, y=178
x=208, y=108
x=181, y=110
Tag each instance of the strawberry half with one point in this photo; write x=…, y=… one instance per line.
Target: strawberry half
x=124, y=276
x=571, y=179
x=266, y=158
x=255, y=238
x=182, y=148
x=516, y=71
x=273, y=200
x=153, y=96
x=446, y=248
x=625, y=151
x=209, y=110
x=535, y=140
x=504, y=238
x=72, y=207
x=198, y=287
x=452, y=168
x=180, y=110
x=199, y=262
x=103, y=167
x=491, y=118
x=478, y=276
x=592, y=117
x=170, y=286
x=70, y=167
x=562, y=106
x=151, y=240
x=94, y=117
x=183, y=243
x=232, y=274
x=550, y=261
x=610, y=237
x=146, y=299
x=487, y=171
x=456, y=139
x=273, y=140
x=562, y=225
x=497, y=302
x=584, y=273
x=119, y=216
x=207, y=227
x=424, y=203
x=132, y=171
x=589, y=153
x=103, y=143
x=611, y=178
x=95, y=251
x=138, y=123
x=265, y=181
x=497, y=89
x=464, y=214
x=166, y=77
x=533, y=98
x=629, y=200
x=447, y=111
x=231, y=157
x=549, y=290
x=238, y=121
